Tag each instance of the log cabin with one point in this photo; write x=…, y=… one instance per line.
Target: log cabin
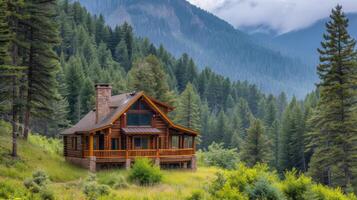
x=124, y=127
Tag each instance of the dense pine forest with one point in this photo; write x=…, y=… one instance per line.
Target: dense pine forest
x=52, y=54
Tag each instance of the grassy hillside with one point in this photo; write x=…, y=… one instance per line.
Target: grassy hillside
x=67, y=180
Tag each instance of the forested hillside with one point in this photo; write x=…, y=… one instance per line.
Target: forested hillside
x=53, y=54
x=182, y=27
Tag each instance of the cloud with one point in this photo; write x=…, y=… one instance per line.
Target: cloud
x=279, y=15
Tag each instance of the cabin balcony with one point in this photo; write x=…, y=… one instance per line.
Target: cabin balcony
x=132, y=154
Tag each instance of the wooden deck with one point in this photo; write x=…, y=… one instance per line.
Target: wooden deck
x=149, y=153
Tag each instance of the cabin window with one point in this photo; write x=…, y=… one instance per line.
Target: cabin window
x=161, y=142
x=188, y=142
x=175, y=142
x=144, y=106
x=74, y=143
x=135, y=106
x=115, y=143
x=139, y=119
x=141, y=142
x=140, y=105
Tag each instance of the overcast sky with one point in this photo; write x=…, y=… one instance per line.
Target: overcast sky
x=279, y=15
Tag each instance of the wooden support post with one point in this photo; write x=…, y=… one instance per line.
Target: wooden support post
x=91, y=144
x=127, y=147
x=157, y=147
x=108, y=138
x=193, y=143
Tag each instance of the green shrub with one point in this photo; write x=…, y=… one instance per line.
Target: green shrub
x=93, y=190
x=258, y=183
x=50, y=145
x=47, y=194
x=295, y=187
x=218, y=156
x=12, y=190
x=196, y=195
x=144, y=173
x=37, y=182
x=264, y=190
x=115, y=181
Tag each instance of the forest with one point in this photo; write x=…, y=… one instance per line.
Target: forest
x=52, y=53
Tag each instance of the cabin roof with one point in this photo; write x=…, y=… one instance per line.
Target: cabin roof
x=119, y=104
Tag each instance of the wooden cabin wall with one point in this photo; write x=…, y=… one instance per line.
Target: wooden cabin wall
x=72, y=148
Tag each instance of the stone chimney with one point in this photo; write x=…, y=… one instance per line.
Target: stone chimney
x=103, y=94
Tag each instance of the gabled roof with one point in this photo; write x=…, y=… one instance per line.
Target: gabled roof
x=119, y=104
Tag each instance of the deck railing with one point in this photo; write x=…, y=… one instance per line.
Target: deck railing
x=152, y=153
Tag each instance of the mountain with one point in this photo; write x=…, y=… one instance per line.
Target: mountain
x=182, y=27
x=300, y=43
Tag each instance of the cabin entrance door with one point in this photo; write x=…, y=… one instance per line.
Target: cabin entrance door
x=141, y=142
x=101, y=141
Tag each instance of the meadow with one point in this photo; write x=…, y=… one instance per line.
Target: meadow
x=40, y=153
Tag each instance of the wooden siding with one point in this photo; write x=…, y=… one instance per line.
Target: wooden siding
x=159, y=145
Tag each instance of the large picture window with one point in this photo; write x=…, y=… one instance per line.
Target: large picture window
x=175, y=142
x=115, y=143
x=139, y=119
x=141, y=142
x=188, y=142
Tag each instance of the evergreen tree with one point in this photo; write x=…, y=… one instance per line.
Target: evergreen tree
x=121, y=55
x=292, y=138
x=188, y=109
x=87, y=96
x=74, y=80
x=244, y=115
x=255, y=147
x=335, y=121
x=147, y=75
x=42, y=60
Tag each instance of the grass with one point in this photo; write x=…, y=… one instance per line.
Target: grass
x=67, y=180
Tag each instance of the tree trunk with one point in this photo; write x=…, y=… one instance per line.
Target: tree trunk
x=29, y=90
x=14, y=117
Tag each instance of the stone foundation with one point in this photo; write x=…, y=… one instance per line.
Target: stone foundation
x=157, y=162
x=127, y=164
x=92, y=163
x=193, y=163
x=82, y=162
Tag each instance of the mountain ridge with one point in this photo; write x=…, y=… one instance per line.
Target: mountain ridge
x=182, y=27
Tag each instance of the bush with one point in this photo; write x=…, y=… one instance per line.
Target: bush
x=47, y=194
x=196, y=195
x=37, y=182
x=263, y=189
x=220, y=157
x=50, y=145
x=115, y=181
x=258, y=183
x=144, y=173
x=295, y=187
x=93, y=190
x=12, y=190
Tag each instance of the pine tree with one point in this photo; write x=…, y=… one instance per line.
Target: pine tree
x=335, y=121
x=42, y=60
x=255, y=147
x=188, y=109
x=292, y=138
x=244, y=115
x=74, y=81
x=147, y=75
x=10, y=71
x=121, y=55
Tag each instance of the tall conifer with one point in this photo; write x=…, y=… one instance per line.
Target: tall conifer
x=335, y=121
x=42, y=60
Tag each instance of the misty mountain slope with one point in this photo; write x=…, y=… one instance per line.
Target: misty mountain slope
x=302, y=43
x=307, y=40
x=182, y=27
